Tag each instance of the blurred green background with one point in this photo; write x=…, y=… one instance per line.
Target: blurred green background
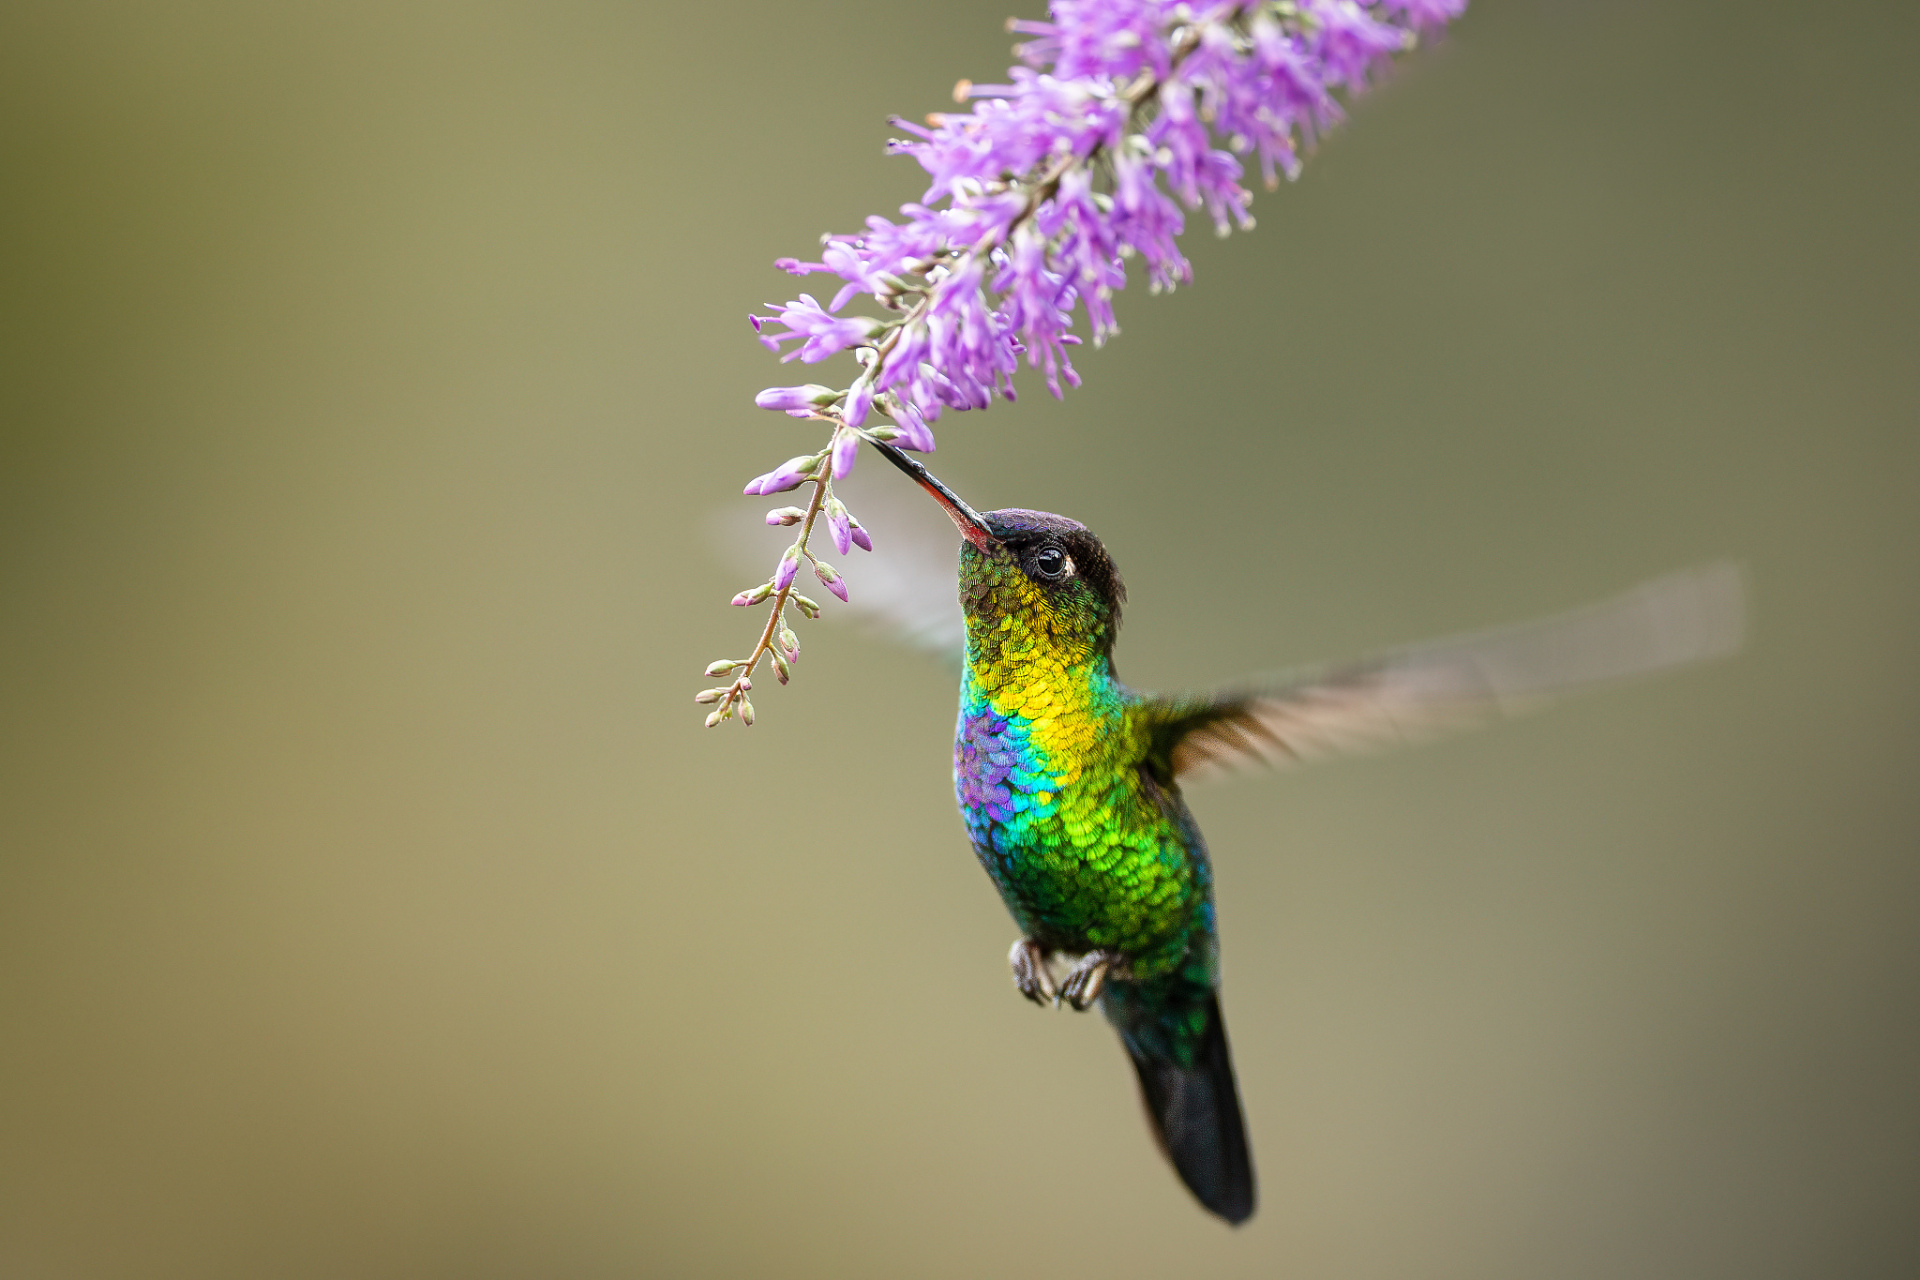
x=372, y=904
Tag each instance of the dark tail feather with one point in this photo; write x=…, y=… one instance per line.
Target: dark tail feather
x=1196, y=1117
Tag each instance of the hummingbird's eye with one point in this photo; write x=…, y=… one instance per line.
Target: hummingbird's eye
x=1050, y=562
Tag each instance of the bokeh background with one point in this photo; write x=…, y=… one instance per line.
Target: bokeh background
x=372, y=903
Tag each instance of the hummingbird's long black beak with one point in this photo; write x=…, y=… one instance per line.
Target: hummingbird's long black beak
x=972, y=527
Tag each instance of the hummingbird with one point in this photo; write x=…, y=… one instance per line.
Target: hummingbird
x=1070, y=783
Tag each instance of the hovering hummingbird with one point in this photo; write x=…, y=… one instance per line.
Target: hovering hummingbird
x=1070, y=782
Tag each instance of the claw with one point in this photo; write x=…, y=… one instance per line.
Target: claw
x=1030, y=977
x=1087, y=979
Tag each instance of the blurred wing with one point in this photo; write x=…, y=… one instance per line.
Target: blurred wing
x=906, y=588
x=1409, y=695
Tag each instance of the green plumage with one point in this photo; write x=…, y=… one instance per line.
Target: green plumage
x=1062, y=777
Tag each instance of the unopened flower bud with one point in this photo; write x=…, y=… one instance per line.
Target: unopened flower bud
x=780, y=668
x=859, y=399
x=835, y=583
x=859, y=538
x=755, y=596
x=746, y=712
x=839, y=524
x=713, y=718
x=789, y=566
x=787, y=475
x=723, y=666
x=790, y=643
x=785, y=515
x=709, y=695
x=796, y=399
x=846, y=451
x=806, y=606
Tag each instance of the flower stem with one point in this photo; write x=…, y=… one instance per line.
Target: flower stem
x=736, y=691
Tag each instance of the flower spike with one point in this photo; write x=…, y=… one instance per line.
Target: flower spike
x=1042, y=196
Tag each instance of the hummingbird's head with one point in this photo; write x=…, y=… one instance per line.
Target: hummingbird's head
x=1050, y=574
x=1029, y=575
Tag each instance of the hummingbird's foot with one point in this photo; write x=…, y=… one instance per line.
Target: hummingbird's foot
x=1030, y=976
x=1087, y=979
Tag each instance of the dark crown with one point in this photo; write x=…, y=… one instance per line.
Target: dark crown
x=1021, y=529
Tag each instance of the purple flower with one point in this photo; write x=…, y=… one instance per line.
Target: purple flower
x=824, y=332
x=1351, y=42
x=910, y=431
x=1012, y=240
x=914, y=435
